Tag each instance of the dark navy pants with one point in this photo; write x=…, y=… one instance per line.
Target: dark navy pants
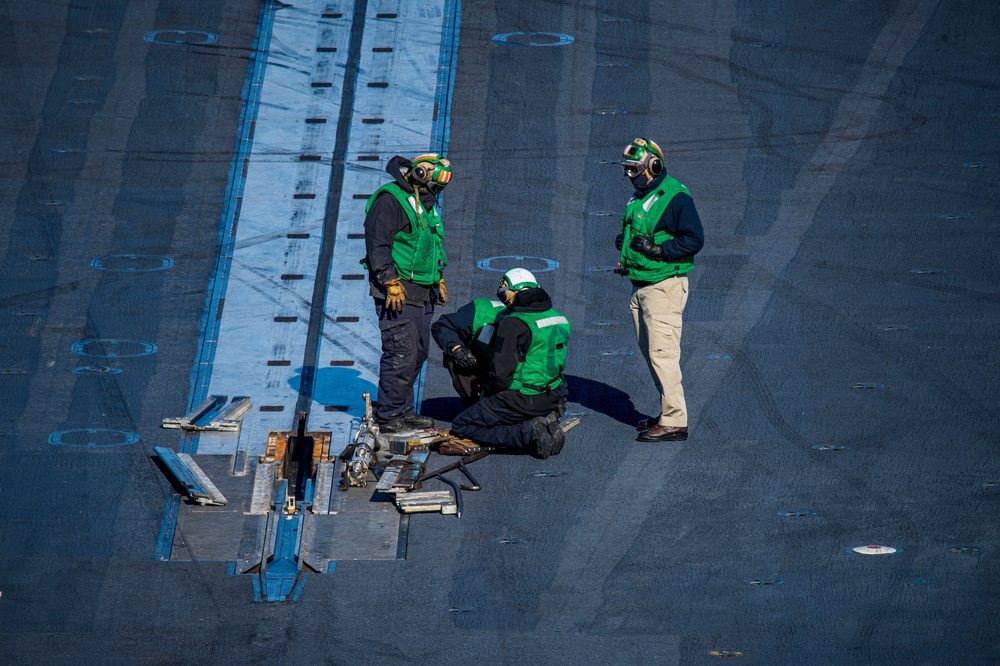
x=405, y=337
x=493, y=423
x=467, y=381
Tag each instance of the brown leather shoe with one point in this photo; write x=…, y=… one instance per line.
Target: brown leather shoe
x=660, y=433
x=647, y=423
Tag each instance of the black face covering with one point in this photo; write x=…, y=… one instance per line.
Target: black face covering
x=641, y=180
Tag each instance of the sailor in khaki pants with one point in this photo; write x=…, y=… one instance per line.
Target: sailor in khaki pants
x=657, y=311
x=661, y=233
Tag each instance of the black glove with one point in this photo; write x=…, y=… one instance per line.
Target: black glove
x=464, y=358
x=644, y=245
x=619, y=242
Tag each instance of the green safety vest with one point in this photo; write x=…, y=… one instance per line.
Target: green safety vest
x=483, y=325
x=641, y=216
x=541, y=368
x=418, y=254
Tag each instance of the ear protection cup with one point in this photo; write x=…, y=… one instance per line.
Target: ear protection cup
x=655, y=166
x=420, y=173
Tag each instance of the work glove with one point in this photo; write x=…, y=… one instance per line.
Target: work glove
x=395, y=295
x=463, y=357
x=619, y=242
x=442, y=293
x=644, y=245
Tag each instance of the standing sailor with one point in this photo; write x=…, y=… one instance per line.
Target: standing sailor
x=661, y=233
x=404, y=242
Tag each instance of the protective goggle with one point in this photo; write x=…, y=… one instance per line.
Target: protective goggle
x=637, y=157
x=636, y=160
x=431, y=171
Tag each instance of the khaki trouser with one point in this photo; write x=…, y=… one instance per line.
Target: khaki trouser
x=657, y=311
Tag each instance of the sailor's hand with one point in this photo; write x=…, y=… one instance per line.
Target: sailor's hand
x=463, y=357
x=645, y=246
x=395, y=295
x=619, y=242
x=442, y=293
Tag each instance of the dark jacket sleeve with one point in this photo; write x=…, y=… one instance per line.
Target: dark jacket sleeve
x=509, y=347
x=384, y=220
x=681, y=221
x=455, y=328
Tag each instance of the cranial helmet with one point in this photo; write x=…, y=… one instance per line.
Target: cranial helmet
x=430, y=171
x=516, y=279
x=641, y=155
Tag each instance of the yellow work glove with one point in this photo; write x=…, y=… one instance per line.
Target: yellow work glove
x=395, y=295
x=442, y=293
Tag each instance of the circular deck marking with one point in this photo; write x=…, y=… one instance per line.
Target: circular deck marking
x=93, y=438
x=875, y=550
x=97, y=370
x=113, y=348
x=533, y=39
x=132, y=263
x=194, y=37
x=508, y=261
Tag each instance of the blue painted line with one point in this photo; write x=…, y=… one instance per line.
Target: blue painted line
x=450, y=30
x=441, y=129
x=165, y=542
x=210, y=323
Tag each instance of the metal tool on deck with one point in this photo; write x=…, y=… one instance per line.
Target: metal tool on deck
x=190, y=476
x=213, y=414
x=360, y=454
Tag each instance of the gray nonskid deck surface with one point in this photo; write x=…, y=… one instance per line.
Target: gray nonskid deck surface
x=840, y=346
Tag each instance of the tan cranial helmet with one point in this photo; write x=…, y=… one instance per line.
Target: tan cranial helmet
x=430, y=171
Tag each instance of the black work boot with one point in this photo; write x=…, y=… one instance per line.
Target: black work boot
x=395, y=426
x=546, y=436
x=417, y=421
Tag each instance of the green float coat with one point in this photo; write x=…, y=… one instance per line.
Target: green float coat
x=483, y=327
x=541, y=369
x=640, y=218
x=418, y=254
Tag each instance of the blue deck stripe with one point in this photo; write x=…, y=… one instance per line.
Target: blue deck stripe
x=441, y=131
x=202, y=372
x=209, y=327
